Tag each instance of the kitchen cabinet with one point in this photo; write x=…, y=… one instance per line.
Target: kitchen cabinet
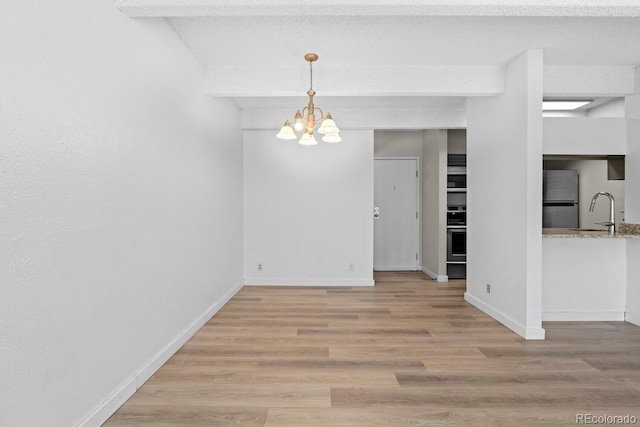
x=583, y=278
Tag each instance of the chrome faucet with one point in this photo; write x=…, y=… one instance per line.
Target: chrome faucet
x=612, y=208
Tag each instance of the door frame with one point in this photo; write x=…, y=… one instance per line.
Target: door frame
x=418, y=206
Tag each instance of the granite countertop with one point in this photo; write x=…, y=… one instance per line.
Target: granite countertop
x=626, y=231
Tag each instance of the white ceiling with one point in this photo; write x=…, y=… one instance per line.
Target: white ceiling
x=409, y=40
x=419, y=54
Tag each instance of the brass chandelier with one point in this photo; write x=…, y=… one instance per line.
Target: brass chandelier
x=305, y=120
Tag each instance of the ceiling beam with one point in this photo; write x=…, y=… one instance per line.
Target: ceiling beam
x=588, y=81
x=383, y=80
x=543, y=8
x=396, y=80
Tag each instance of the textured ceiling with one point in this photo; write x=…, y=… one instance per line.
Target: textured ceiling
x=380, y=7
x=401, y=52
x=410, y=40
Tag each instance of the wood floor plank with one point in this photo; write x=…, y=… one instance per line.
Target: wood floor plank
x=629, y=363
x=300, y=377
x=188, y=393
x=387, y=417
x=408, y=351
x=486, y=396
x=402, y=352
x=315, y=341
x=560, y=366
x=490, y=379
x=254, y=351
x=172, y=415
x=421, y=332
x=390, y=365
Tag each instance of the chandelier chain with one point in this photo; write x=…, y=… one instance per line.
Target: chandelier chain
x=310, y=75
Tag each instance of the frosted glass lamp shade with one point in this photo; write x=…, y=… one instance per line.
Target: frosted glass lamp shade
x=332, y=138
x=307, y=139
x=299, y=122
x=286, y=132
x=328, y=126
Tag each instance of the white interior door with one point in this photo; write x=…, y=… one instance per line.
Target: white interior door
x=396, y=232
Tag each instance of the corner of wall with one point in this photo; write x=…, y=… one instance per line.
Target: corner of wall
x=437, y=277
x=528, y=333
x=111, y=404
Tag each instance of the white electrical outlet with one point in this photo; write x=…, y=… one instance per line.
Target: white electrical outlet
x=352, y=266
x=259, y=267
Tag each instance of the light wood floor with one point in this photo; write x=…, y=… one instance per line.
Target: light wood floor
x=408, y=351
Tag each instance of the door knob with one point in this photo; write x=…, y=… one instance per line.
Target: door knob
x=376, y=212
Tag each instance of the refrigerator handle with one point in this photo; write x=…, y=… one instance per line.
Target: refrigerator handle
x=559, y=203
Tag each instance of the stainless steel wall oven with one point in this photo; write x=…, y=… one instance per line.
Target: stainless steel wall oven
x=456, y=244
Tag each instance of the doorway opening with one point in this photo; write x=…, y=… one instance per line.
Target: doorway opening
x=441, y=198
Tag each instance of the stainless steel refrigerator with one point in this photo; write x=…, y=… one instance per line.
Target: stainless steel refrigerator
x=560, y=199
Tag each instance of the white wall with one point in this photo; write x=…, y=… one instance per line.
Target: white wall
x=504, y=172
x=457, y=141
x=613, y=108
x=584, y=136
x=120, y=207
x=308, y=210
x=632, y=171
x=633, y=282
x=434, y=203
x=632, y=200
x=632, y=160
x=397, y=143
x=584, y=279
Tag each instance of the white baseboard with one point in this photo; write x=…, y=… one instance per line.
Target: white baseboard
x=107, y=408
x=631, y=317
x=396, y=268
x=309, y=282
x=582, y=316
x=524, y=332
x=534, y=334
x=434, y=276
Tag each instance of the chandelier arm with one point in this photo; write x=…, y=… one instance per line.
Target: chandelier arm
x=321, y=113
